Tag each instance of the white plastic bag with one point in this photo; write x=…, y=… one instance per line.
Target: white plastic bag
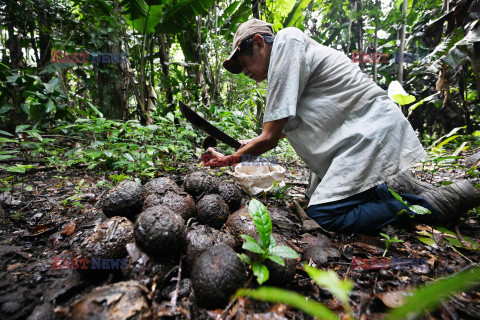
x=255, y=177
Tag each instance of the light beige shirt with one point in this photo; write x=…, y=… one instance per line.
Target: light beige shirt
x=340, y=122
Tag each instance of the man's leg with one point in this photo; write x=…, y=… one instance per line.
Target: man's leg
x=369, y=211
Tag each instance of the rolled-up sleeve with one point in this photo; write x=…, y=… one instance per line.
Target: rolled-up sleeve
x=288, y=73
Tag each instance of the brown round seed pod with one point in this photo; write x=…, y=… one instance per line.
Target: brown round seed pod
x=200, y=238
x=104, y=249
x=124, y=200
x=180, y=202
x=160, y=186
x=158, y=230
x=320, y=255
x=212, y=211
x=218, y=273
x=120, y=300
x=231, y=194
x=199, y=183
x=142, y=268
x=239, y=223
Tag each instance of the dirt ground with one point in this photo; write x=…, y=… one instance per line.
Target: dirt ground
x=48, y=213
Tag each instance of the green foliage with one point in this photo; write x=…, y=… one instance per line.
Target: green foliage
x=428, y=297
x=398, y=94
x=448, y=238
x=106, y=145
x=118, y=177
x=164, y=16
x=279, y=192
x=421, y=301
x=417, y=209
x=277, y=295
x=44, y=103
x=74, y=200
x=329, y=280
x=294, y=17
x=388, y=241
x=266, y=248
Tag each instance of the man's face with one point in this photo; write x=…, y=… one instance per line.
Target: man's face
x=256, y=66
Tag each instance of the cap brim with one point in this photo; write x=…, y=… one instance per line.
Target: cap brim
x=231, y=64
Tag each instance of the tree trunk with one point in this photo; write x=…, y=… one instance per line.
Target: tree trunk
x=198, y=58
x=215, y=70
x=164, y=59
x=45, y=40
x=360, y=31
x=110, y=94
x=402, y=47
x=375, y=46
x=111, y=98
x=474, y=55
x=402, y=41
x=376, y=55
x=256, y=9
x=16, y=116
x=349, y=34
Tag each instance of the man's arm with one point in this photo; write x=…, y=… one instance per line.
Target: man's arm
x=267, y=140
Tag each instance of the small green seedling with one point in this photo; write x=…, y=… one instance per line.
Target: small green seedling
x=266, y=247
x=388, y=241
x=279, y=192
x=414, y=208
x=118, y=177
x=75, y=199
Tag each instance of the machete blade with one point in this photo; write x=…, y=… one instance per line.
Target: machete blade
x=206, y=127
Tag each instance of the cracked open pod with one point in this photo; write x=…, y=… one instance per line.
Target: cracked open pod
x=255, y=177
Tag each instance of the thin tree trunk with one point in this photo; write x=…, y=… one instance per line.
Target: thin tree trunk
x=360, y=30
x=402, y=47
x=402, y=41
x=198, y=57
x=256, y=9
x=216, y=71
x=349, y=34
x=44, y=33
x=474, y=55
x=164, y=59
x=16, y=115
x=375, y=47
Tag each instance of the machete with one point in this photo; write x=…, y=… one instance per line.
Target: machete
x=206, y=127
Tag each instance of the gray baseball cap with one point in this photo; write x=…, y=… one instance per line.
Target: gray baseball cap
x=246, y=30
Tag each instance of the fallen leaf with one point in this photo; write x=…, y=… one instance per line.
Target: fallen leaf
x=393, y=299
x=13, y=266
x=68, y=229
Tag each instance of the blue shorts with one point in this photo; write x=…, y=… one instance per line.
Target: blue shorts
x=369, y=211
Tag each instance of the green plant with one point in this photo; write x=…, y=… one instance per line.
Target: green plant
x=414, y=208
x=421, y=301
x=327, y=279
x=6, y=184
x=17, y=215
x=118, y=177
x=279, y=192
x=266, y=247
x=388, y=241
x=75, y=199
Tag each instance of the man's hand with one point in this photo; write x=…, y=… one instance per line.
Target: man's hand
x=213, y=158
x=267, y=140
x=243, y=143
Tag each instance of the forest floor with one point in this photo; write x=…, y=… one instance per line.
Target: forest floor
x=48, y=213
